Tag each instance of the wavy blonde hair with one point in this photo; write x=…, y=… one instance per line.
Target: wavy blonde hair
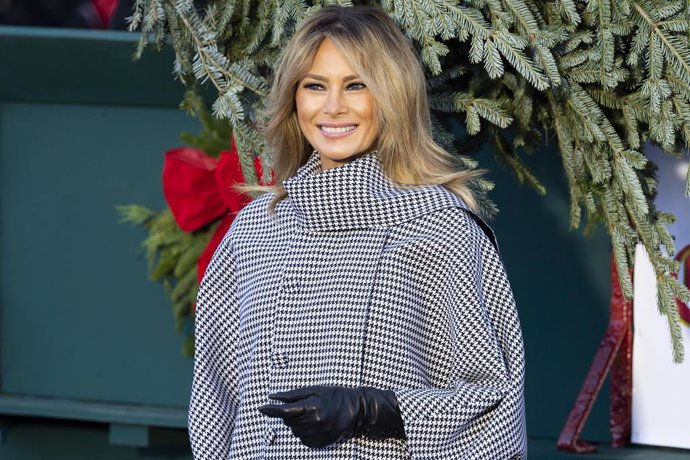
x=383, y=58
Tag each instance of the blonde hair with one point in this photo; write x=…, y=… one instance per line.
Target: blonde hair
x=394, y=76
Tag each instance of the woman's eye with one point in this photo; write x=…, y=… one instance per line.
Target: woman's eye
x=313, y=86
x=356, y=86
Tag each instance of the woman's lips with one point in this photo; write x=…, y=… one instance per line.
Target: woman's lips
x=336, y=132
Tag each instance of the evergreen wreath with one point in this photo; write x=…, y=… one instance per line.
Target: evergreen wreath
x=603, y=77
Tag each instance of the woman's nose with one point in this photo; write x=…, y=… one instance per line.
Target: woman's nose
x=335, y=103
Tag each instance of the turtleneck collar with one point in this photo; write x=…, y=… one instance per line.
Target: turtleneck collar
x=358, y=195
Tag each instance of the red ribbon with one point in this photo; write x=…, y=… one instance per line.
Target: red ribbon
x=105, y=10
x=199, y=190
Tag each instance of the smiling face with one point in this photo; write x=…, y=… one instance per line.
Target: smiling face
x=335, y=109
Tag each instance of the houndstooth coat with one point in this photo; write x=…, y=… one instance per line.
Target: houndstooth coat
x=355, y=282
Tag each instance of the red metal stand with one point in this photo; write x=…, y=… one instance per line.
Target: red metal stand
x=615, y=355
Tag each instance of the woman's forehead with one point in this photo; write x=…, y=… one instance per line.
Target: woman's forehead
x=330, y=61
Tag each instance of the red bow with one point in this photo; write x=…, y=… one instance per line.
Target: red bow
x=198, y=189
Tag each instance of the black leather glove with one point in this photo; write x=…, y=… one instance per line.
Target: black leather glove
x=323, y=415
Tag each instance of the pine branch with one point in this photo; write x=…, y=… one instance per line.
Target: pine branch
x=211, y=65
x=505, y=44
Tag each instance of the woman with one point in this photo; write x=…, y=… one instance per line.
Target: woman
x=361, y=309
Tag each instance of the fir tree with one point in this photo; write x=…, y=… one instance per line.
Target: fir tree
x=604, y=76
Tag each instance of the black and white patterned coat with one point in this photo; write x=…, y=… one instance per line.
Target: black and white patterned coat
x=356, y=282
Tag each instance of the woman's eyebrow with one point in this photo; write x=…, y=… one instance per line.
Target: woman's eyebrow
x=315, y=77
x=322, y=78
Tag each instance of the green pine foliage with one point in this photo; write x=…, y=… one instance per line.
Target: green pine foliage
x=602, y=76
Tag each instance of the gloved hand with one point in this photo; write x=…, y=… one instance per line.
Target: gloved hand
x=323, y=415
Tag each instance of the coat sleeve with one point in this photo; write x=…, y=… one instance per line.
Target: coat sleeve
x=479, y=412
x=213, y=404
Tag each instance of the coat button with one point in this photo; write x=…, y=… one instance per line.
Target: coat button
x=279, y=360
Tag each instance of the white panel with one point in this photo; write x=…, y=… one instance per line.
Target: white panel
x=661, y=389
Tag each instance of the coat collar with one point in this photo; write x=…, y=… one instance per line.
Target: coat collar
x=358, y=195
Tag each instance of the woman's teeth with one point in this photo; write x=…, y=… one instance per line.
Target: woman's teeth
x=336, y=130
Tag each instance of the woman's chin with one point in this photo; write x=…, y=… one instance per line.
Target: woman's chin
x=330, y=159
